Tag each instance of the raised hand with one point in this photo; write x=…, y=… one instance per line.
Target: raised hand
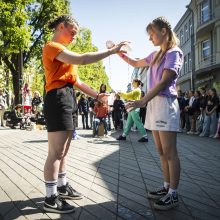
x=103, y=97
x=118, y=47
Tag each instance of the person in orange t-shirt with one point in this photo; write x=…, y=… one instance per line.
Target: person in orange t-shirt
x=101, y=114
x=60, y=107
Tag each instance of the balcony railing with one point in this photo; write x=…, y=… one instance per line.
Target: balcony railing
x=207, y=61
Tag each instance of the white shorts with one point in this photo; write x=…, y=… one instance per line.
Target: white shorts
x=163, y=114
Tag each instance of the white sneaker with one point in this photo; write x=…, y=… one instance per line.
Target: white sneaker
x=190, y=132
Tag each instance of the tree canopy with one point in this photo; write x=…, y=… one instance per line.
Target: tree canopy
x=23, y=32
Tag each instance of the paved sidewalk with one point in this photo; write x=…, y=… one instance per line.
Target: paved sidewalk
x=113, y=176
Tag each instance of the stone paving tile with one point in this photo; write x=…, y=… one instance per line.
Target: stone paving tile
x=113, y=177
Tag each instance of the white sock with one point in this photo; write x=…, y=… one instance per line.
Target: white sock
x=123, y=135
x=145, y=136
x=51, y=188
x=61, y=179
x=166, y=185
x=172, y=191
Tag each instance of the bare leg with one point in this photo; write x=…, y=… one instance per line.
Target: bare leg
x=163, y=159
x=58, y=143
x=168, y=141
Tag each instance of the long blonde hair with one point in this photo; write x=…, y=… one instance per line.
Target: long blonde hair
x=159, y=23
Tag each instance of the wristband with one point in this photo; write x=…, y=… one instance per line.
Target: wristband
x=122, y=55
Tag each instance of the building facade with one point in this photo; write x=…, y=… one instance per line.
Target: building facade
x=207, y=43
x=185, y=32
x=199, y=34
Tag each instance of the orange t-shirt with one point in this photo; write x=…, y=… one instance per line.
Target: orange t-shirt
x=57, y=73
x=101, y=111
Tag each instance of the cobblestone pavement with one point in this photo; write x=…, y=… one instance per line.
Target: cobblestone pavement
x=113, y=176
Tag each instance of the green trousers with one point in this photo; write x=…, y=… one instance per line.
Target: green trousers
x=134, y=117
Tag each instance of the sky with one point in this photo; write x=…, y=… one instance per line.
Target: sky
x=119, y=20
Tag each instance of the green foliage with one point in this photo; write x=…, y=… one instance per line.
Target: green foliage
x=14, y=31
x=94, y=74
x=23, y=29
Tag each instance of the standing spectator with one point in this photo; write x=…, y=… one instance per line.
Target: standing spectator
x=189, y=111
x=37, y=100
x=203, y=102
x=3, y=106
x=211, y=116
x=195, y=112
x=101, y=113
x=143, y=110
x=102, y=89
x=118, y=107
x=83, y=107
x=91, y=111
x=185, y=103
x=181, y=102
x=27, y=100
x=217, y=135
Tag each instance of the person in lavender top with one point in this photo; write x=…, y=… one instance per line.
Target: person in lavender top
x=163, y=112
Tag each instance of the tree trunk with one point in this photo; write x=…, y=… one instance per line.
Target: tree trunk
x=17, y=93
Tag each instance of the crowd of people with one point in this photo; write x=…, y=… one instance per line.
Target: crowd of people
x=200, y=111
x=25, y=115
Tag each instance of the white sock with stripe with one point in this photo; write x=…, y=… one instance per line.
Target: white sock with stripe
x=51, y=188
x=61, y=179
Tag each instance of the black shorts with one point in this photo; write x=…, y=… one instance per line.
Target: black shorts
x=60, y=109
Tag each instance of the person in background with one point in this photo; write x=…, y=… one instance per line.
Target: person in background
x=37, y=100
x=211, y=115
x=103, y=89
x=195, y=108
x=189, y=110
x=181, y=100
x=16, y=116
x=83, y=106
x=143, y=110
x=101, y=114
x=91, y=111
x=134, y=115
x=118, y=107
x=203, y=102
x=3, y=107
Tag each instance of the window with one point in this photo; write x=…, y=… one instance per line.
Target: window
x=185, y=65
x=186, y=32
x=190, y=27
x=190, y=61
x=206, y=49
x=205, y=12
x=181, y=37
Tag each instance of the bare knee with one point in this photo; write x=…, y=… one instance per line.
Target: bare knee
x=170, y=154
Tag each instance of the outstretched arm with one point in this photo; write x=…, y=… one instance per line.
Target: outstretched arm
x=133, y=62
x=67, y=56
x=89, y=91
x=167, y=78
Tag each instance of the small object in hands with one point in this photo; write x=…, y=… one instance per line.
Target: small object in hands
x=109, y=44
x=128, y=109
x=111, y=99
x=127, y=48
